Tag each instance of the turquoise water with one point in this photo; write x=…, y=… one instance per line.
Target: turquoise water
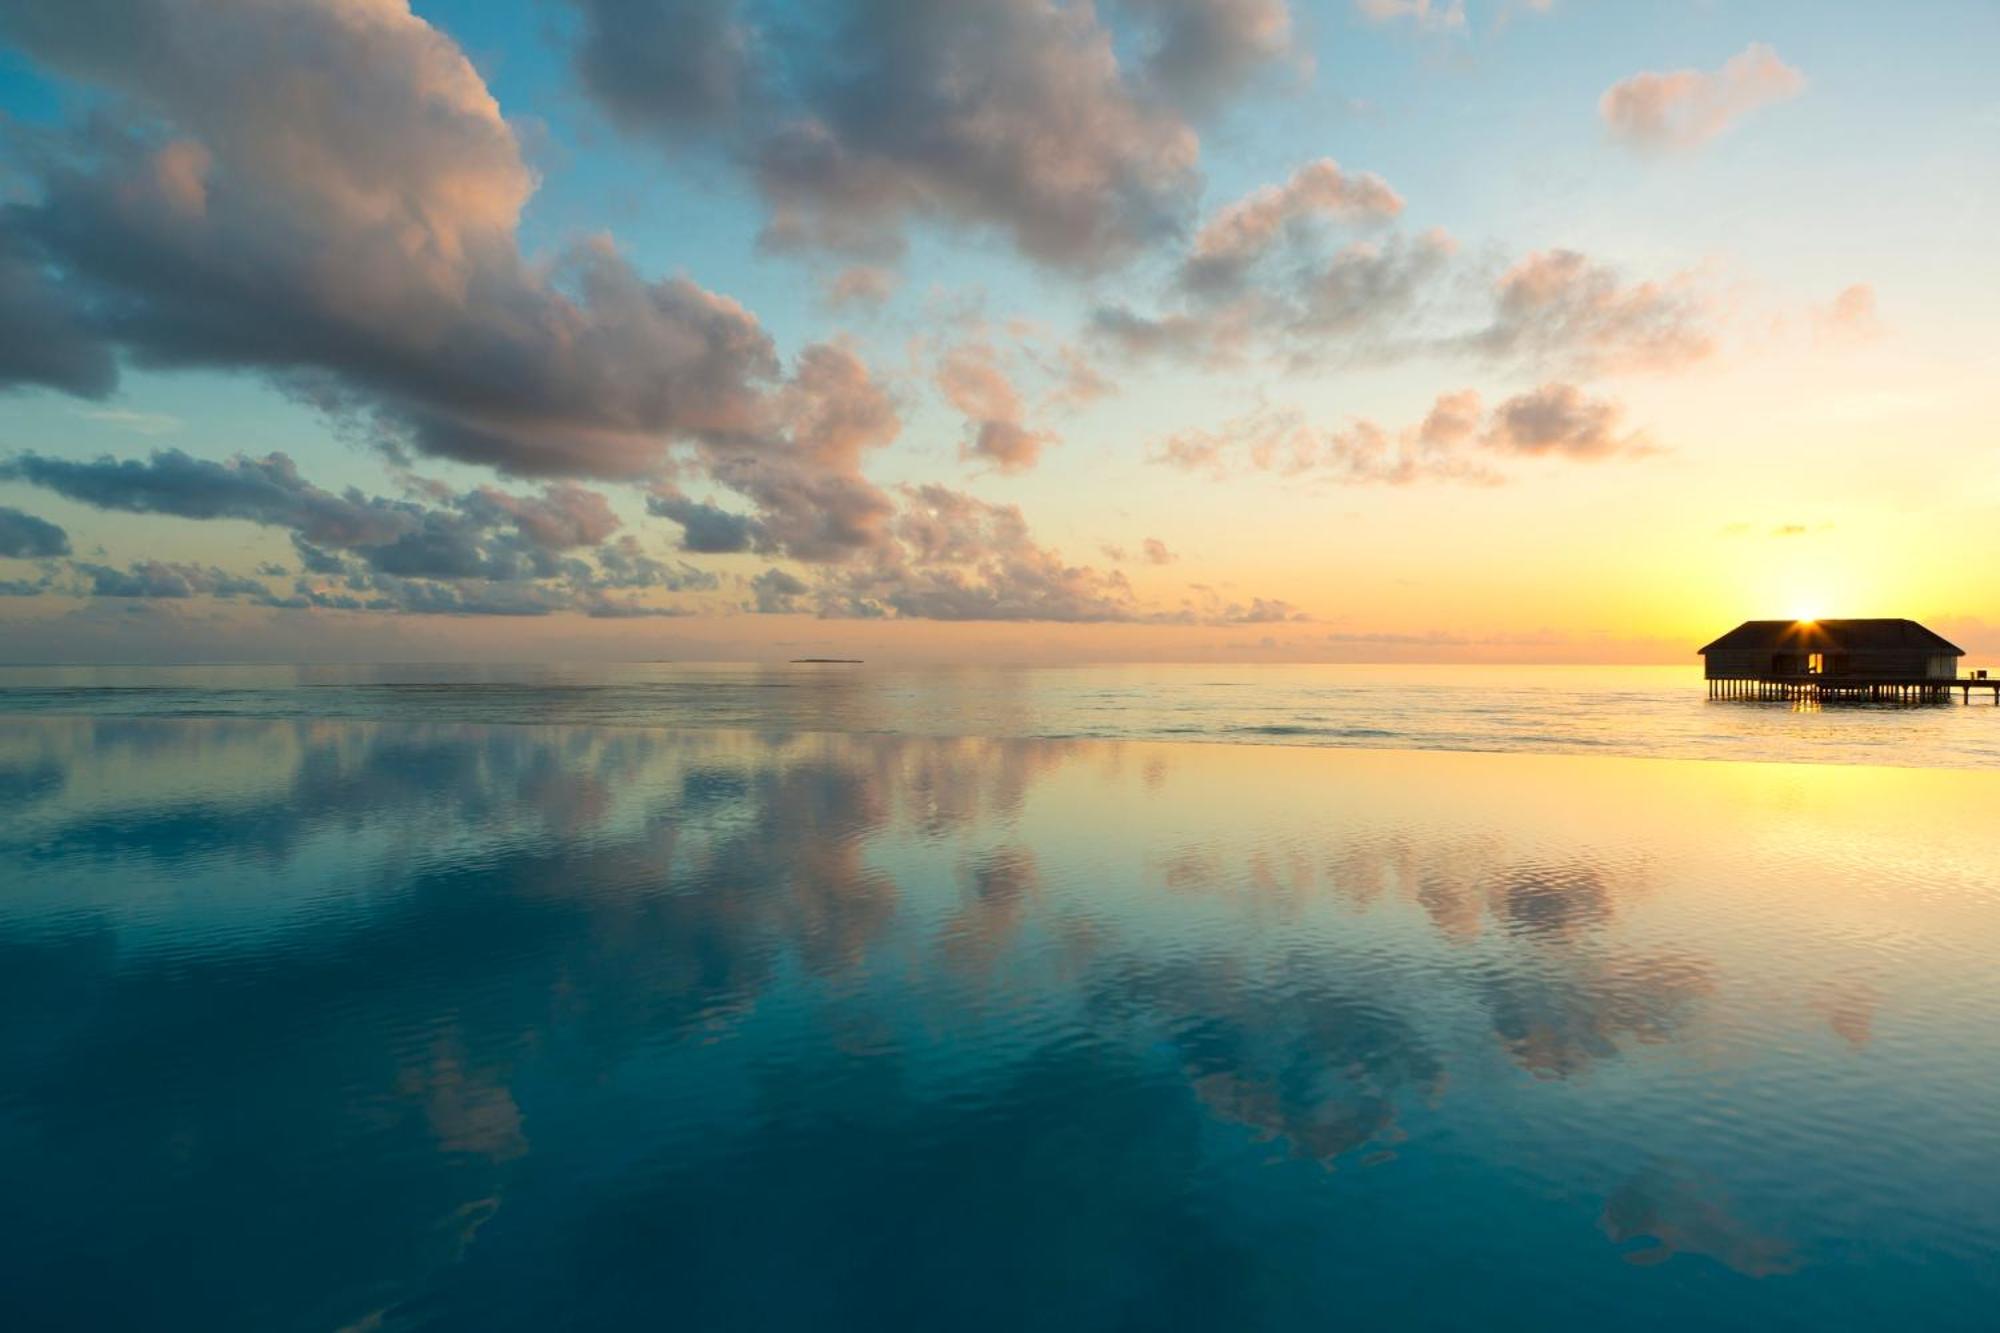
x=321, y=1023
x=1653, y=711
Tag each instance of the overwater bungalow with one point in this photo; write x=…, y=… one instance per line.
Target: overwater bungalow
x=1875, y=659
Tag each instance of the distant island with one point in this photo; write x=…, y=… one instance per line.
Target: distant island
x=826, y=661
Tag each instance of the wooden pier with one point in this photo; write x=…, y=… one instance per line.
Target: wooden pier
x=1853, y=689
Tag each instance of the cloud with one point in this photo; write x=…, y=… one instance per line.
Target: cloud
x=866, y=286
x=562, y=517
x=1560, y=308
x=25, y=537
x=485, y=551
x=1207, y=606
x=1366, y=289
x=1365, y=453
x=1559, y=419
x=972, y=380
x=478, y=529
x=1024, y=117
x=705, y=528
x=266, y=490
x=778, y=593
x=212, y=213
x=811, y=500
x=1013, y=115
x=961, y=558
x=1155, y=552
x=1851, y=316
x=166, y=579
x=1204, y=50
x=1267, y=439
x=1435, y=15
x=1262, y=611
x=1243, y=232
x=1211, y=338
x=1362, y=302
x=1457, y=440
x=954, y=557
x=1686, y=108
x=661, y=66
x=1079, y=381
x=139, y=423
x=44, y=337
x=1239, y=297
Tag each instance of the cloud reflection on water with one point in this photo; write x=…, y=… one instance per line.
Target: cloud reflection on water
x=410, y=977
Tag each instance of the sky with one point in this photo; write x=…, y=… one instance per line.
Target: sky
x=1020, y=330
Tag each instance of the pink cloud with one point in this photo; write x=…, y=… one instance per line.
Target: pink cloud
x=1685, y=108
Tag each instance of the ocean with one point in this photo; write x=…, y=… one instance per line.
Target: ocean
x=837, y=998
x=1659, y=712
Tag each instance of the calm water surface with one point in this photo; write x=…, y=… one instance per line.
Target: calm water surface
x=326, y=1024
x=1654, y=711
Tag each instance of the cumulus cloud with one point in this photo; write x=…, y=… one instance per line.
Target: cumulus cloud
x=1561, y=309
x=811, y=500
x=562, y=517
x=165, y=579
x=1368, y=289
x=1204, y=50
x=214, y=212
x=1686, y=108
x=1211, y=338
x=1561, y=420
x=528, y=553
x=44, y=337
x=952, y=556
x=927, y=552
x=662, y=66
x=1026, y=117
x=1458, y=439
x=1155, y=552
x=1013, y=114
x=1243, y=232
x=705, y=528
x=963, y=558
x=1384, y=300
x=266, y=490
x=369, y=263
x=973, y=381
x=25, y=537
x=777, y=593
x=1363, y=302
x=486, y=531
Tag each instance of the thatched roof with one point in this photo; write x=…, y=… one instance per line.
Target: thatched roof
x=1834, y=636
